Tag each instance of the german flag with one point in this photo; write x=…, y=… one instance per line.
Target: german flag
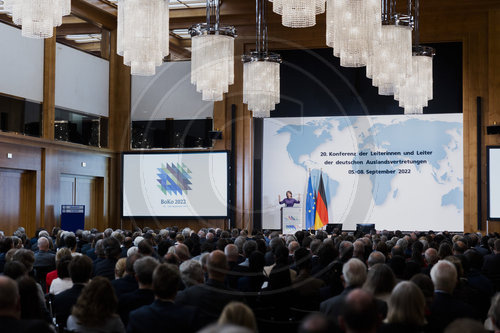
x=321, y=206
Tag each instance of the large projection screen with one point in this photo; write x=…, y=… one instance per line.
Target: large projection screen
x=494, y=183
x=401, y=172
x=175, y=185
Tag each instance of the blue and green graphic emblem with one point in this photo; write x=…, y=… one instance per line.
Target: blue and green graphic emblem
x=174, y=178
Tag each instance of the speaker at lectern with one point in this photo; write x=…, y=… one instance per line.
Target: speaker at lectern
x=291, y=220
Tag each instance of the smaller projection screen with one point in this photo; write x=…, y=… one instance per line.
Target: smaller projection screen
x=494, y=183
x=175, y=185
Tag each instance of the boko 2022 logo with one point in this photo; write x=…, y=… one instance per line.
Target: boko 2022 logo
x=174, y=178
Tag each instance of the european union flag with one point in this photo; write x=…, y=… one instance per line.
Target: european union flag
x=310, y=205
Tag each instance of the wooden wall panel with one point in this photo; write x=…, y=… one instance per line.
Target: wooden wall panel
x=10, y=200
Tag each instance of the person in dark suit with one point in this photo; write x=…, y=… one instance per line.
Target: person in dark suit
x=354, y=275
x=491, y=266
x=306, y=286
x=127, y=283
x=144, y=268
x=10, y=311
x=445, y=308
x=212, y=296
x=80, y=271
x=44, y=257
x=163, y=314
x=112, y=251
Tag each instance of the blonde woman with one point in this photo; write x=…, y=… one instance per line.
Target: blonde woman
x=406, y=310
x=237, y=313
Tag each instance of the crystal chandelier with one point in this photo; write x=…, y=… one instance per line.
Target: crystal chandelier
x=392, y=59
x=143, y=34
x=261, y=71
x=212, y=55
x=298, y=13
x=417, y=90
x=38, y=17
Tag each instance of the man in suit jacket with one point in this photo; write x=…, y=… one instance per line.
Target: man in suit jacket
x=491, y=265
x=144, y=268
x=10, y=310
x=163, y=314
x=80, y=271
x=445, y=308
x=212, y=296
x=354, y=275
x=127, y=283
x=44, y=257
x=112, y=252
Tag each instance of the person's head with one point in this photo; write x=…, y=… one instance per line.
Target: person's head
x=182, y=252
x=345, y=250
x=191, y=272
x=129, y=263
x=406, y=305
x=26, y=257
x=444, y=250
x=459, y=247
x=97, y=303
x=28, y=291
x=494, y=311
x=425, y=284
x=238, y=314
x=474, y=259
x=70, y=241
x=354, y=273
x=465, y=325
x=358, y=249
x=249, y=247
x=431, y=256
x=231, y=252
x=374, y=258
x=80, y=269
x=444, y=276
x=496, y=248
x=380, y=280
x=62, y=253
x=14, y=269
x=359, y=313
x=302, y=258
x=217, y=265
x=166, y=279
x=315, y=323
x=144, y=268
x=112, y=248
x=145, y=248
x=10, y=305
x=292, y=246
x=120, y=268
x=63, y=267
x=289, y=194
x=43, y=244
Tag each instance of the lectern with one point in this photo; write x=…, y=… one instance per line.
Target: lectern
x=291, y=219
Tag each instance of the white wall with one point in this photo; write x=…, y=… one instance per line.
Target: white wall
x=168, y=94
x=21, y=62
x=82, y=81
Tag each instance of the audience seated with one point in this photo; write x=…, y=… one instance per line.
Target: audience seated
x=281, y=279
x=10, y=311
x=163, y=311
x=445, y=308
x=144, y=295
x=95, y=309
x=213, y=295
x=80, y=271
x=406, y=309
x=354, y=276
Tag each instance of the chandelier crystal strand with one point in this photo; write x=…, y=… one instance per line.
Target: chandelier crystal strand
x=38, y=17
x=261, y=71
x=392, y=61
x=143, y=43
x=277, y=6
x=330, y=22
x=212, y=55
x=416, y=91
x=375, y=33
x=320, y=6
